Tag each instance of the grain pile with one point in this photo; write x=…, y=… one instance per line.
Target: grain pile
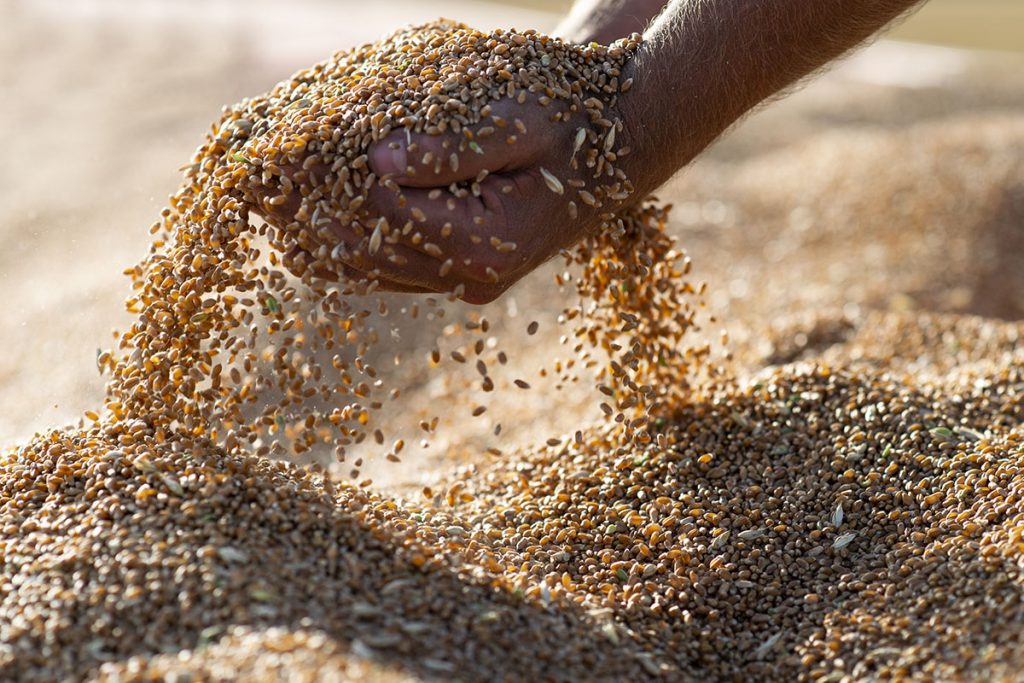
x=854, y=517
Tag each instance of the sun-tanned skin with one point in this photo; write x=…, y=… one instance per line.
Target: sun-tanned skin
x=702, y=66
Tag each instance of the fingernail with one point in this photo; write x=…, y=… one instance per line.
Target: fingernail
x=387, y=161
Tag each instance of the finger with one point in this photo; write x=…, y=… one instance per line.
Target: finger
x=397, y=266
x=298, y=260
x=512, y=137
x=359, y=248
x=468, y=235
x=418, y=276
x=355, y=246
x=440, y=160
x=387, y=259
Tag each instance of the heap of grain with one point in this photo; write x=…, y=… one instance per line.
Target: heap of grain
x=832, y=520
x=837, y=520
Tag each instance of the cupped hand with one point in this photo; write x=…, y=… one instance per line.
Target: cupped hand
x=473, y=211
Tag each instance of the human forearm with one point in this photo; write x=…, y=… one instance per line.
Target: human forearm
x=605, y=21
x=705, y=63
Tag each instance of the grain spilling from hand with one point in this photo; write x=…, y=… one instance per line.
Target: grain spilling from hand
x=830, y=520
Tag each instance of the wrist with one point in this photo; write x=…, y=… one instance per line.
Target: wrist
x=669, y=113
x=651, y=151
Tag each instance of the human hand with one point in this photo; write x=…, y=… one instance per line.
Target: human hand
x=473, y=211
x=492, y=207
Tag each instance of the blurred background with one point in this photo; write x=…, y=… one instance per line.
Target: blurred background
x=893, y=182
